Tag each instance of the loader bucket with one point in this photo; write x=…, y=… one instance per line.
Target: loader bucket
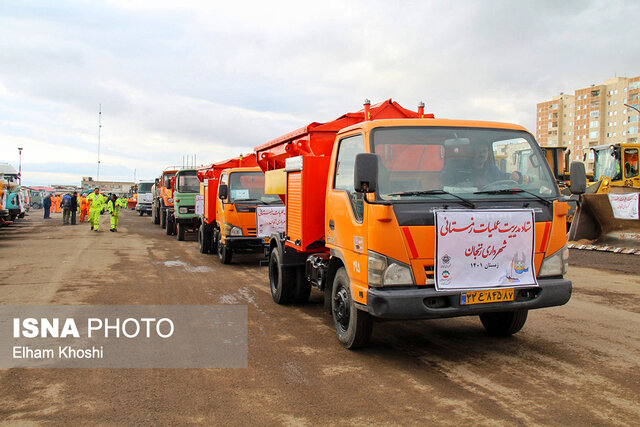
x=595, y=227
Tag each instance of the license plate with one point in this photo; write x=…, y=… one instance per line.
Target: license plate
x=487, y=296
x=265, y=240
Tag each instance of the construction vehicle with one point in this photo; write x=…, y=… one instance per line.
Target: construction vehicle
x=4, y=212
x=132, y=197
x=386, y=216
x=182, y=216
x=162, y=197
x=144, y=199
x=598, y=224
x=209, y=177
x=240, y=193
x=9, y=184
x=232, y=192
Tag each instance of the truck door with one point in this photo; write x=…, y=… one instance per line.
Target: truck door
x=345, y=222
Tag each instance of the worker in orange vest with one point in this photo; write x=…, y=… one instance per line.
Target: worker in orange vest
x=58, y=201
x=83, y=206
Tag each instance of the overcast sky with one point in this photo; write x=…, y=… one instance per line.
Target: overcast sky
x=214, y=79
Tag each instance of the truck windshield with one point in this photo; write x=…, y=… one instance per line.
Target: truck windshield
x=167, y=179
x=145, y=187
x=606, y=163
x=249, y=187
x=446, y=162
x=188, y=182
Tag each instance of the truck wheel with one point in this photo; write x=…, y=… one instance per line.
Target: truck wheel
x=282, y=280
x=163, y=218
x=154, y=216
x=180, y=233
x=141, y=213
x=505, y=323
x=204, y=239
x=225, y=253
x=170, y=224
x=303, y=287
x=353, y=326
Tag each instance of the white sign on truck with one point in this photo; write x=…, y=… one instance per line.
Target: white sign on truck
x=484, y=249
x=270, y=219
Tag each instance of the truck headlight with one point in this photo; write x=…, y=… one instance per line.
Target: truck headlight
x=385, y=271
x=170, y=201
x=232, y=230
x=183, y=210
x=556, y=264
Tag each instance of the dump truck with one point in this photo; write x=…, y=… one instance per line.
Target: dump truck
x=241, y=192
x=162, y=197
x=182, y=216
x=144, y=199
x=389, y=215
x=607, y=215
x=233, y=196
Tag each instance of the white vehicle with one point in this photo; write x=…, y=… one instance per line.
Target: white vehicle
x=145, y=197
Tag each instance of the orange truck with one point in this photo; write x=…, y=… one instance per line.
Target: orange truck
x=232, y=193
x=394, y=214
x=162, y=196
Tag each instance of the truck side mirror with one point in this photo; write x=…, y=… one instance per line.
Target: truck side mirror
x=157, y=181
x=223, y=191
x=578, y=178
x=365, y=177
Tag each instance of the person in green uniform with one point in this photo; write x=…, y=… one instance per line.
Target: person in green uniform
x=113, y=206
x=97, y=202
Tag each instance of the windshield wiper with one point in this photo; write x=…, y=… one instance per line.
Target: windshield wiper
x=436, y=192
x=515, y=191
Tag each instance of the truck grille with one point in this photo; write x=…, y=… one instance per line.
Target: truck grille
x=251, y=231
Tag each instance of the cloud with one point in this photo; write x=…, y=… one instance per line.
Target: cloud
x=192, y=78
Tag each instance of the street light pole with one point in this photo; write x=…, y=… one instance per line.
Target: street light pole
x=20, y=166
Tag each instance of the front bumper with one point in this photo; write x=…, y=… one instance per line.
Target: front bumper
x=248, y=243
x=416, y=303
x=144, y=207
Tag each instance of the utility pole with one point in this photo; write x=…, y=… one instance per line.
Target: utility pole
x=20, y=166
x=99, y=132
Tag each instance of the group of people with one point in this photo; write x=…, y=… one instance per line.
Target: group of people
x=93, y=205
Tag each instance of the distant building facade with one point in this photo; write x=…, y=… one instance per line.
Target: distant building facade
x=595, y=115
x=120, y=188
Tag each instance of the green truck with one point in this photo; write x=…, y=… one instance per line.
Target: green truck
x=181, y=217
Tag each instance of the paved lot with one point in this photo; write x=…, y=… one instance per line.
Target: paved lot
x=573, y=365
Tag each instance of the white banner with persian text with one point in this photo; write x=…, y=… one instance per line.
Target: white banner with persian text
x=270, y=219
x=484, y=249
x=199, y=204
x=624, y=206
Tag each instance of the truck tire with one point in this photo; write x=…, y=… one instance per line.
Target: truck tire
x=154, y=215
x=353, y=326
x=141, y=213
x=225, y=253
x=303, y=287
x=163, y=218
x=504, y=324
x=204, y=239
x=282, y=280
x=180, y=233
x=170, y=224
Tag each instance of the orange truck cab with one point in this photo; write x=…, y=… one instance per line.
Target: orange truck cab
x=206, y=204
x=394, y=214
x=240, y=193
x=162, y=196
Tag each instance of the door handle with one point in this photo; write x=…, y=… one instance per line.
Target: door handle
x=332, y=224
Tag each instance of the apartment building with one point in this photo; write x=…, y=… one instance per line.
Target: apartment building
x=593, y=115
